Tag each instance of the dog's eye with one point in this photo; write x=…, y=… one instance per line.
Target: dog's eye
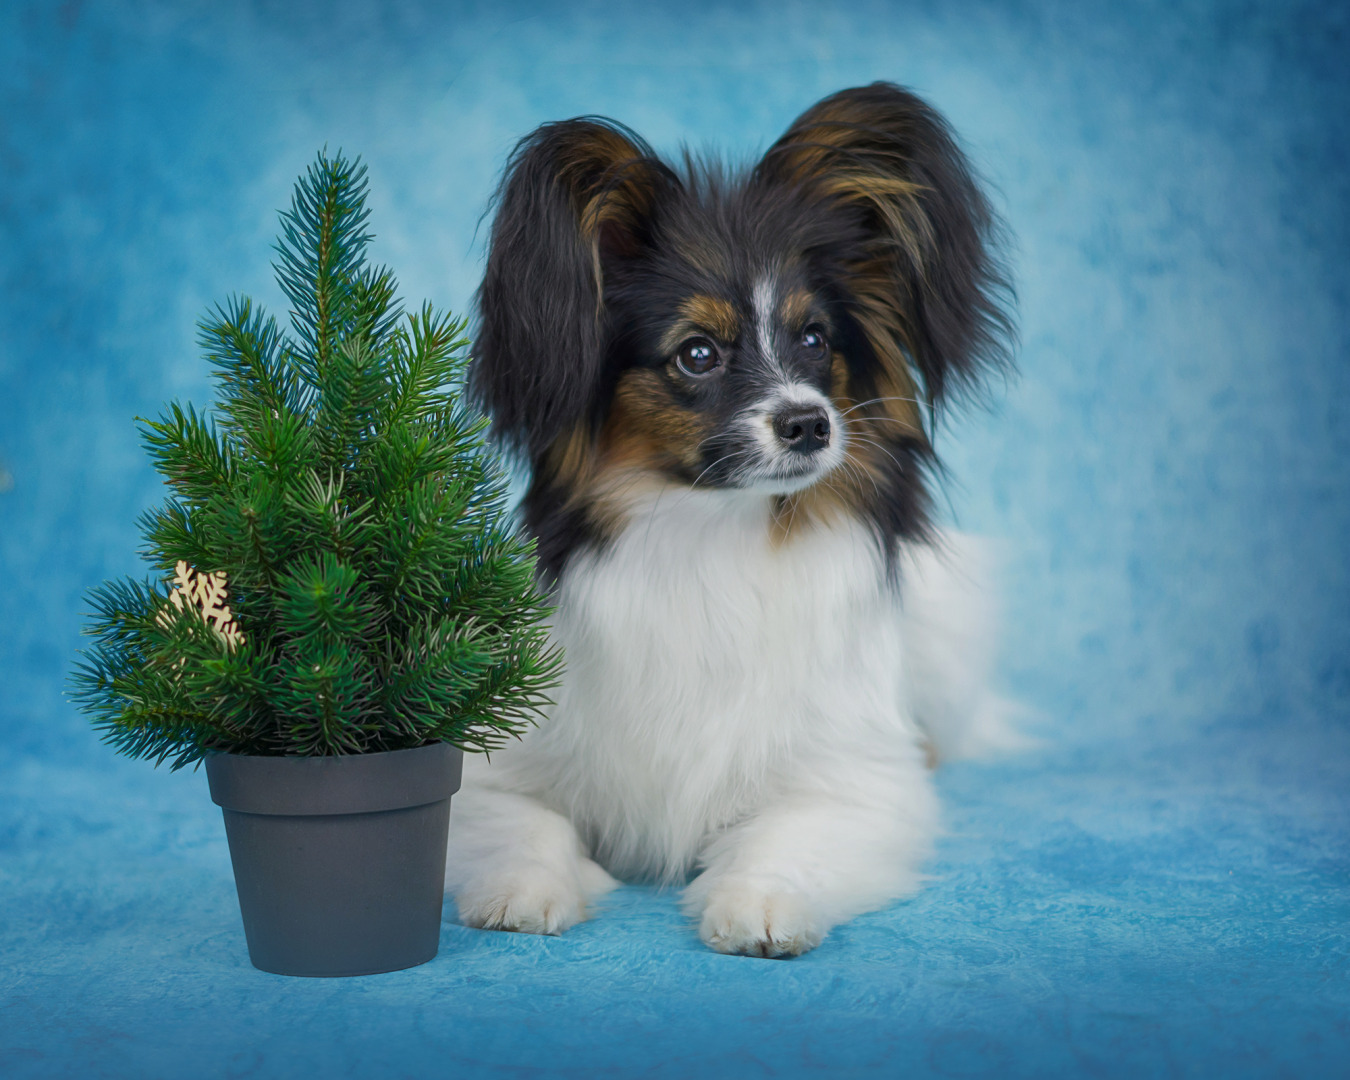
x=697, y=356
x=813, y=342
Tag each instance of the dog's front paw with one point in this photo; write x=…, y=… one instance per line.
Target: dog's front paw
x=750, y=919
x=531, y=899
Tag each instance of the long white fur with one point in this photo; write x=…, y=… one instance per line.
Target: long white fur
x=752, y=711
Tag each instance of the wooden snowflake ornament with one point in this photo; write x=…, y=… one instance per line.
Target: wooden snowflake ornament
x=207, y=595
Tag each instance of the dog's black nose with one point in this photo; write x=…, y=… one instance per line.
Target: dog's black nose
x=803, y=431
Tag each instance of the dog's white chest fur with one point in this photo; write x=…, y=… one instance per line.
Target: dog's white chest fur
x=710, y=669
x=750, y=709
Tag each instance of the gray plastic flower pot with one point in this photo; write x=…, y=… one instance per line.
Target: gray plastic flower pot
x=339, y=861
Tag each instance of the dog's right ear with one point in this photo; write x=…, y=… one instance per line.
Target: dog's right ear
x=575, y=196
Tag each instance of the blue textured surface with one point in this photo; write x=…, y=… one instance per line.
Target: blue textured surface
x=1163, y=889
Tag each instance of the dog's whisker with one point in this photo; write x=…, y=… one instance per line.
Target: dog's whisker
x=862, y=474
x=863, y=421
x=878, y=400
x=725, y=457
x=881, y=446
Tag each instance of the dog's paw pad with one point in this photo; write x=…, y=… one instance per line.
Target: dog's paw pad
x=531, y=900
x=750, y=921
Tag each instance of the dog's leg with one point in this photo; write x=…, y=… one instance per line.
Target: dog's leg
x=775, y=885
x=514, y=864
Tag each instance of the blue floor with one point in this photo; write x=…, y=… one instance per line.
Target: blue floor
x=1161, y=889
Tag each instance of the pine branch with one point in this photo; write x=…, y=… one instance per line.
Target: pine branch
x=327, y=520
x=433, y=355
x=188, y=453
x=252, y=375
x=321, y=251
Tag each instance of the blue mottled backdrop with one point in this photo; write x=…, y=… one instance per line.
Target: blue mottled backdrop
x=1162, y=889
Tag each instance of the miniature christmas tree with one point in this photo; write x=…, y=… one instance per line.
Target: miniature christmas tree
x=345, y=578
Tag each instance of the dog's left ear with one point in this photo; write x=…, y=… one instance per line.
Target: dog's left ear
x=929, y=288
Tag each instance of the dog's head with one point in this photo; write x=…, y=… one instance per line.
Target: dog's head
x=783, y=332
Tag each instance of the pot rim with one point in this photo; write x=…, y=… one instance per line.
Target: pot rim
x=334, y=784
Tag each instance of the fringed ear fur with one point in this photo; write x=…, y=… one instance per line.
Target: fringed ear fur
x=930, y=289
x=576, y=194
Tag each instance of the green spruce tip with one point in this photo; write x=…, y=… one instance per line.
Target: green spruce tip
x=347, y=494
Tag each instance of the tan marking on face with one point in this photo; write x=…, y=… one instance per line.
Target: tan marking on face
x=714, y=314
x=645, y=435
x=646, y=425
x=795, y=309
x=839, y=383
x=702, y=314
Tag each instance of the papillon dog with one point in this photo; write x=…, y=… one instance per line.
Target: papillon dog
x=722, y=384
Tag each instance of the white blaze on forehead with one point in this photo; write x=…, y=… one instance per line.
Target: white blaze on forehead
x=763, y=300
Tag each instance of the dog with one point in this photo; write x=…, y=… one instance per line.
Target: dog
x=722, y=383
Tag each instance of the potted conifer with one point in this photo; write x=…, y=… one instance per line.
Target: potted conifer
x=341, y=606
